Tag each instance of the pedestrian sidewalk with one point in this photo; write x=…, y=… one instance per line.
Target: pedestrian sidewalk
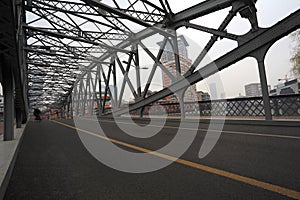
x=8, y=151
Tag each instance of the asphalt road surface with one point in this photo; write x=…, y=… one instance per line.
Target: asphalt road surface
x=247, y=162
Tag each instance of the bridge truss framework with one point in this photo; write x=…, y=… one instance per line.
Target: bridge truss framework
x=56, y=52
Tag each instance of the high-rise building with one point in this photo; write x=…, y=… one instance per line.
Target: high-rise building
x=254, y=90
x=223, y=95
x=203, y=96
x=213, y=91
x=168, y=60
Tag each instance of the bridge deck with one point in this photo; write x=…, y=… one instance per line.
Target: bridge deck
x=54, y=164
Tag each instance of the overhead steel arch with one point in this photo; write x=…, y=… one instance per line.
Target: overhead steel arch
x=73, y=47
x=83, y=41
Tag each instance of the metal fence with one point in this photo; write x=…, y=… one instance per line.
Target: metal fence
x=282, y=105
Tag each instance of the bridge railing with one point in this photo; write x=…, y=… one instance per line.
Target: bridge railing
x=281, y=105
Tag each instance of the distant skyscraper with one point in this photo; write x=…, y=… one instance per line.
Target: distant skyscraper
x=213, y=91
x=203, y=96
x=168, y=60
x=253, y=90
x=223, y=95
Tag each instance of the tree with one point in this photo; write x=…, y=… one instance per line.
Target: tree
x=295, y=59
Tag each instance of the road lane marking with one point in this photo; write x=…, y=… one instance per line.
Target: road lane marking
x=201, y=129
x=250, y=181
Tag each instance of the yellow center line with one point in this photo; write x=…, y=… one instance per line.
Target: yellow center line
x=251, y=181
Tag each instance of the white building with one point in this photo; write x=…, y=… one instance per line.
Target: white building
x=289, y=87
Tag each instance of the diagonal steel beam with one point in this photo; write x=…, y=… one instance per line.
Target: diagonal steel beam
x=265, y=37
x=125, y=76
x=214, y=38
x=59, y=35
x=116, y=12
x=163, y=68
x=154, y=67
x=194, y=12
x=83, y=15
x=201, y=9
x=219, y=33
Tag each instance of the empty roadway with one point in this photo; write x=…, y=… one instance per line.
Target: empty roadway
x=248, y=162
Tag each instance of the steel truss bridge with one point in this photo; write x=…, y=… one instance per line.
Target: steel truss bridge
x=54, y=52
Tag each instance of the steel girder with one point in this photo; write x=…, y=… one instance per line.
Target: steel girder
x=12, y=67
x=180, y=19
x=83, y=46
x=262, y=39
x=90, y=37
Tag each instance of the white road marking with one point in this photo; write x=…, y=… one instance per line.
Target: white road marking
x=192, y=129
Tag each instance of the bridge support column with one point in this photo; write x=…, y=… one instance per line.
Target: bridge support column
x=181, y=102
x=260, y=57
x=18, y=117
x=70, y=107
x=18, y=110
x=8, y=90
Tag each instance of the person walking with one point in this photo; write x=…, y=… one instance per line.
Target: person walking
x=37, y=113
